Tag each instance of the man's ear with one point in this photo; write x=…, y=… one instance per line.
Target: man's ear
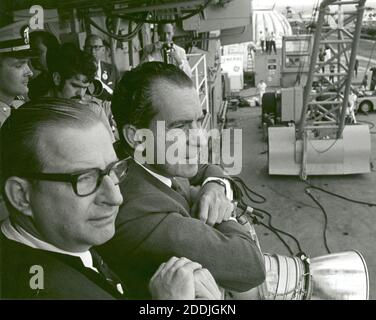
x=56, y=78
x=129, y=134
x=17, y=191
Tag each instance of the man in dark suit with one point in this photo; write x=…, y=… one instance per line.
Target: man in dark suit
x=106, y=72
x=60, y=177
x=173, y=207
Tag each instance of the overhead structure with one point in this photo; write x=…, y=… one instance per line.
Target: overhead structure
x=323, y=143
x=271, y=20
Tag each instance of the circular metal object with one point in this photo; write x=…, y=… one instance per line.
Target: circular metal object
x=337, y=276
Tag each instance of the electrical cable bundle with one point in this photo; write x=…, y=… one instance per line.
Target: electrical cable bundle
x=255, y=214
x=308, y=192
x=123, y=38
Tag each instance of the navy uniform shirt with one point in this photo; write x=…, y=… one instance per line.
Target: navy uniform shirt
x=5, y=109
x=4, y=112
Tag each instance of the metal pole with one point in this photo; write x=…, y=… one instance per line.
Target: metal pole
x=358, y=27
x=312, y=66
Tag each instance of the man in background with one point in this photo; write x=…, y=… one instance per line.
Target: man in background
x=267, y=40
x=373, y=79
x=166, y=50
x=106, y=73
x=15, y=72
x=262, y=41
x=261, y=89
x=71, y=73
x=272, y=43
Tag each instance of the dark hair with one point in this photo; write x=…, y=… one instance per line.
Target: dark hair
x=47, y=38
x=40, y=85
x=69, y=61
x=131, y=101
x=19, y=133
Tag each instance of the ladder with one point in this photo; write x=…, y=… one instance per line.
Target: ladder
x=250, y=62
x=330, y=111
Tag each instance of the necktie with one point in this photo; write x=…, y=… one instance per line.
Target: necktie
x=106, y=272
x=176, y=186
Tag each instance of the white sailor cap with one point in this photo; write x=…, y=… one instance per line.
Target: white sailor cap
x=14, y=40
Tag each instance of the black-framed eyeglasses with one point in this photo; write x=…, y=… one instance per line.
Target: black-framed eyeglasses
x=86, y=182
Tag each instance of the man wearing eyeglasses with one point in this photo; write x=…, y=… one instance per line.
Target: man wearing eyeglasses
x=173, y=208
x=60, y=178
x=106, y=73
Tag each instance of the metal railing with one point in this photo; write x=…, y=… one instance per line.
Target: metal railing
x=200, y=78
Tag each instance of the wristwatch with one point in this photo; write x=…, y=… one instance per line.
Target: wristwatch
x=218, y=181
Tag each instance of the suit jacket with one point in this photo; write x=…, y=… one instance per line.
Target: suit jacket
x=108, y=77
x=5, y=109
x=64, y=276
x=108, y=74
x=155, y=223
x=4, y=112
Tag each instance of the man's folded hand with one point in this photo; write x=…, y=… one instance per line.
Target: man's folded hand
x=212, y=205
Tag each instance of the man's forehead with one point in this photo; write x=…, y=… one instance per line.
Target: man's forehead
x=14, y=60
x=168, y=90
x=96, y=41
x=174, y=102
x=80, y=78
x=168, y=27
x=67, y=149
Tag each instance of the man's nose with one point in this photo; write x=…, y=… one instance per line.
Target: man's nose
x=81, y=92
x=109, y=193
x=197, y=137
x=28, y=72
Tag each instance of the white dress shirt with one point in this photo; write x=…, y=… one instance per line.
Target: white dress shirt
x=18, y=234
x=168, y=182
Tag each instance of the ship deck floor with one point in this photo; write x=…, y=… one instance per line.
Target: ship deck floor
x=350, y=226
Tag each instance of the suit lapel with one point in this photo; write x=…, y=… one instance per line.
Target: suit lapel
x=98, y=278
x=163, y=188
